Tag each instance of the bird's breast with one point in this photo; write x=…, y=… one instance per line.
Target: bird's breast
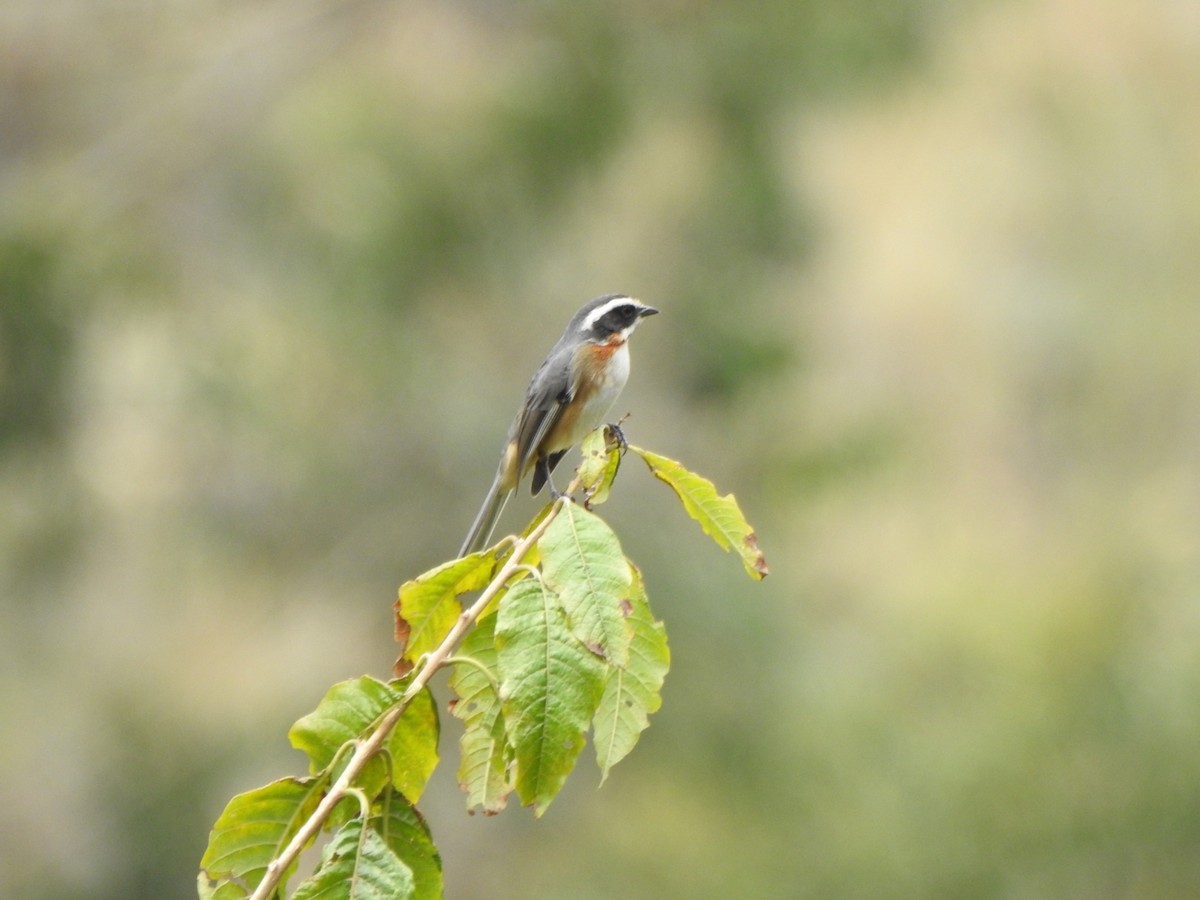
x=602, y=372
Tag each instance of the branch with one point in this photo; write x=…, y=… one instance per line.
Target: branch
x=366, y=748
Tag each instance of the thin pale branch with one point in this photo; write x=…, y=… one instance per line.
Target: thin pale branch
x=367, y=747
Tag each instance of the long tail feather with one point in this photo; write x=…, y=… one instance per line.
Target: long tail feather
x=485, y=521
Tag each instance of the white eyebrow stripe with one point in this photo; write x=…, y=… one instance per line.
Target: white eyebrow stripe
x=598, y=313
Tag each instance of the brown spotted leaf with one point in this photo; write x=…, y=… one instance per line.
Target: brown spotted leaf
x=632, y=691
x=720, y=517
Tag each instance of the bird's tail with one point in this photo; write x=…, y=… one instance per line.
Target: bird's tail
x=485, y=521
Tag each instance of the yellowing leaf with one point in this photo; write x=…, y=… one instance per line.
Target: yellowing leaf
x=599, y=466
x=720, y=517
x=428, y=606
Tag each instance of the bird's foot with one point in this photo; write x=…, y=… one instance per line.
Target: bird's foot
x=617, y=436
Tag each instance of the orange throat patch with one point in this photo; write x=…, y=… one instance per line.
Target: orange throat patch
x=609, y=347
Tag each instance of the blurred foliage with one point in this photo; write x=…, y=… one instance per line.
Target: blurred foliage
x=273, y=278
x=36, y=346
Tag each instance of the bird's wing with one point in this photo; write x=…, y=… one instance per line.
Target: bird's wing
x=549, y=393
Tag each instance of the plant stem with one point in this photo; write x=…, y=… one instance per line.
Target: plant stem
x=367, y=747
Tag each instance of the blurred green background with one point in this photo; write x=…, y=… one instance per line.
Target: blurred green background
x=273, y=278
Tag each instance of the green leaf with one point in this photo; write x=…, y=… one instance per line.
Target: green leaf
x=225, y=890
x=599, y=467
x=631, y=693
x=583, y=563
x=253, y=829
x=358, y=865
x=413, y=746
x=404, y=831
x=549, y=687
x=720, y=517
x=348, y=710
x=219, y=891
x=483, y=771
x=427, y=607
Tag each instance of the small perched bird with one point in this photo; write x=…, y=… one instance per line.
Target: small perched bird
x=569, y=396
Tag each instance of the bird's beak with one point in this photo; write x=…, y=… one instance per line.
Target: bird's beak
x=647, y=311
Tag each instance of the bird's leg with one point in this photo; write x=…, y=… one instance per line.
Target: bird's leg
x=543, y=470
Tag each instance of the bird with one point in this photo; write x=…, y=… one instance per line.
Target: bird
x=569, y=395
